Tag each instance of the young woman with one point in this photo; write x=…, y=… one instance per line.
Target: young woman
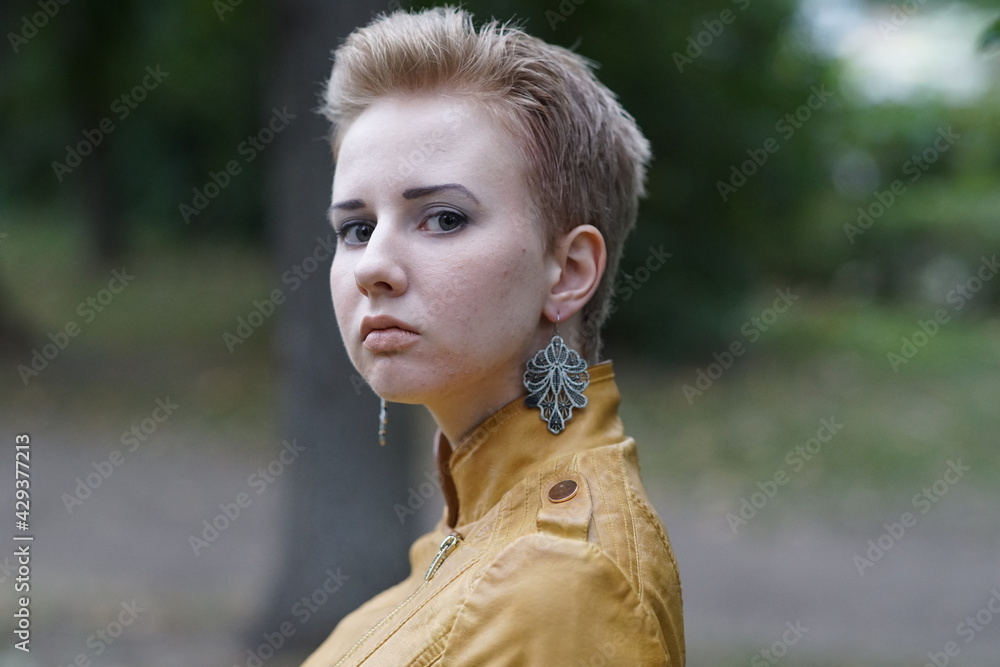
x=484, y=186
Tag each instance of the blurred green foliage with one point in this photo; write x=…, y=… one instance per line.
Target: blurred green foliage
x=72, y=75
x=710, y=84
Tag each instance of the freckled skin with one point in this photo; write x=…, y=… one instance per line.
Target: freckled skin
x=474, y=295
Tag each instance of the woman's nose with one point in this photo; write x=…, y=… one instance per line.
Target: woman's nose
x=380, y=270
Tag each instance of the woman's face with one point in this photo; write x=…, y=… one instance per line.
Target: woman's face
x=437, y=232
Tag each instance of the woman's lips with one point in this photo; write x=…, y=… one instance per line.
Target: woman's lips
x=389, y=340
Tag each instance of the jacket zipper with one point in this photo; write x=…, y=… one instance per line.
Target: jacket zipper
x=449, y=543
x=444, y=550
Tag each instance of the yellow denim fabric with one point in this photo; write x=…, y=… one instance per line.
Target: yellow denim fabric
x=532, y=582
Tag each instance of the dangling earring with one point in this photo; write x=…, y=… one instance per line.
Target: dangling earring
x=556, y=378
x=382, y=419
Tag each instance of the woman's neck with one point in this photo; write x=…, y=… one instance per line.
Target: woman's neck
x=468, y=406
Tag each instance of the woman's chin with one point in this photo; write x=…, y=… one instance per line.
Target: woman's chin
x=398, y=389
x=412, y=379
x=396, y=394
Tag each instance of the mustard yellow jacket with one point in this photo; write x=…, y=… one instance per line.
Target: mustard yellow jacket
x=548, y=554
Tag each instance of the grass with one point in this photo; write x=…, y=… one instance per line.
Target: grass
x=159, y=336
x=828, y=358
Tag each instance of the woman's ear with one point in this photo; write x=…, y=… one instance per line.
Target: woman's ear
x=581, y=256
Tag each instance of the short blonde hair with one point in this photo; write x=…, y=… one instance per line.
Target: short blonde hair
x=586, y=158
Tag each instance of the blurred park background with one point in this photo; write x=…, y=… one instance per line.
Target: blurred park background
x=812, y=373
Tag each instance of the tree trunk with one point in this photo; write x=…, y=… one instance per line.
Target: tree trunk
x=102, y=210
x=341, y=518
x=14, y=337
x=95, y=42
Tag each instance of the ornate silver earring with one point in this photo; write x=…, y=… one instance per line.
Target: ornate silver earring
x=382, y=419
x=556, y=378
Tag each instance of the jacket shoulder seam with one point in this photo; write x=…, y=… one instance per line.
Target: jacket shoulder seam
x=580, y=546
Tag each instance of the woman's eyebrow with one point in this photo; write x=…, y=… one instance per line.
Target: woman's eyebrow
x=416, y=193
x=411, y=193
x=347, y=205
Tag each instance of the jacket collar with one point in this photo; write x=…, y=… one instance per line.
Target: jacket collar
x=514, y=442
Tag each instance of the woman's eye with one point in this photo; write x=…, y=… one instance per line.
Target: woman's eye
x=446, y=221
x=355, y=233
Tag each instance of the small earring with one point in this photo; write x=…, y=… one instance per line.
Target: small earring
x=382, y=419
x=556, y=378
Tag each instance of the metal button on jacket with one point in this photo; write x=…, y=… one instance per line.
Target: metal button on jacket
x=563, y=491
